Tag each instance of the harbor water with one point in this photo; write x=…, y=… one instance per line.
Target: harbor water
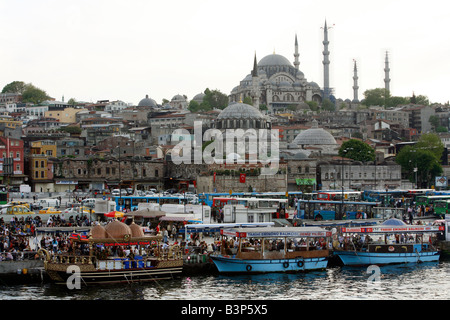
x=424, y=281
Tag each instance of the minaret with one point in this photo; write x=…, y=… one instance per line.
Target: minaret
x=255, y=84
x=386, y=73
x=296, y=55
x=326, y=63
x=355, y=84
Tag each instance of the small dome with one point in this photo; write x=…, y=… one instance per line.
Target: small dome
x=199, y=97
x=240, y=111
x=393, y=222
x=313, y=84
x=147, y=102
x=136, y=231
x=117, y=230
x=314, y=136
x=178, y=97
x=98, y=232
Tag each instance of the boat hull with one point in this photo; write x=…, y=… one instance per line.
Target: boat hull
x=357, y=258
x=226, y=264
x=60, y=274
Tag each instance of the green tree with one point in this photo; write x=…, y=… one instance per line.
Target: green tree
x=425, y=162
x=357, y=150
x=248, y=100
x=376, y=97
x=15, y=87
x=193, y=106
x=431, y=142
x=72, y=102
x=313, y=105
x=434, y=121
x=328, y=105
x=34, y=95
x=214, y=100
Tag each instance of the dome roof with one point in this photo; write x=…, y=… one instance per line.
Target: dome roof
x=147, y=102
x=274, y=60
x=199, y=97
x=240, y=111
x=393, y=222
x=98, y=232
x=117, y=230
x=136, y=231
x=178, y=97
x=314, y=136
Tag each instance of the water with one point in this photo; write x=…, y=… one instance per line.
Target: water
x=425, y=281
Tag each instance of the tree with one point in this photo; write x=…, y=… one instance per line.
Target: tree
x=72, y=102
x=15, y=87
x=434, y=121
x=214, y=100
x=423, y=160
x=357, y=150
x=431, y=142
x=376, y=97
x=313, y=105
x=34, y=95
x=248, y=100
x=328, y=105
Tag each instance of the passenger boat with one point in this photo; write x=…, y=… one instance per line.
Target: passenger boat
x=397, y=243
x=100, y=258
x=272, y=249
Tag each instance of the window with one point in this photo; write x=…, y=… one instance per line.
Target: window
x=36, y=164
x=156, y=173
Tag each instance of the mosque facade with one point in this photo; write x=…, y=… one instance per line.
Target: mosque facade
x=277, y=84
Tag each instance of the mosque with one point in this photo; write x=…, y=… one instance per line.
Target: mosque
x=276, y=83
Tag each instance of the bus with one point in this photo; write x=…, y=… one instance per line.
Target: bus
x=427, y=201
x=337, y=195
x=331, y=210
x=131, y=202
x=441, y=208
x=207, y=198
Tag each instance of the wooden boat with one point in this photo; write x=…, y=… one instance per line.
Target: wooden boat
x=91, y=260
x=270, y=249
x=389, y=251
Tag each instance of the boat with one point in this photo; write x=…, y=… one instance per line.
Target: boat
x=402, y=243
x=100, y=257
x=272, y=249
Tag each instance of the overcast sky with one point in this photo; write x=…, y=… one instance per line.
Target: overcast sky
x=122, y=50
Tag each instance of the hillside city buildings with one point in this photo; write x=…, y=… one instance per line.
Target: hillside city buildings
x=55, y=146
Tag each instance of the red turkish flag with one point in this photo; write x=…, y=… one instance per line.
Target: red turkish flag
x=214, y=179
x=242, y=178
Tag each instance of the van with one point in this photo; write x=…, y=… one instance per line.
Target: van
x=45, y=203
x=88, y=202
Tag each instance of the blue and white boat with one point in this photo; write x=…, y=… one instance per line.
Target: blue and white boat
x=270, y=249
x=402, y=243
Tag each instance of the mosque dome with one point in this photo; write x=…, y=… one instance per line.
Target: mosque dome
x=274, y=60
x=178, y=97
x=147, y=102
x=240, y=111
x=199, y=97
x=314, y=136
x=117, y=230
x=313, y=84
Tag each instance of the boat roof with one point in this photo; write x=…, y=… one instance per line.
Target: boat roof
x=394, y=229
x=274, y=232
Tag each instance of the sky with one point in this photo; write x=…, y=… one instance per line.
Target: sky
x=123, y=50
